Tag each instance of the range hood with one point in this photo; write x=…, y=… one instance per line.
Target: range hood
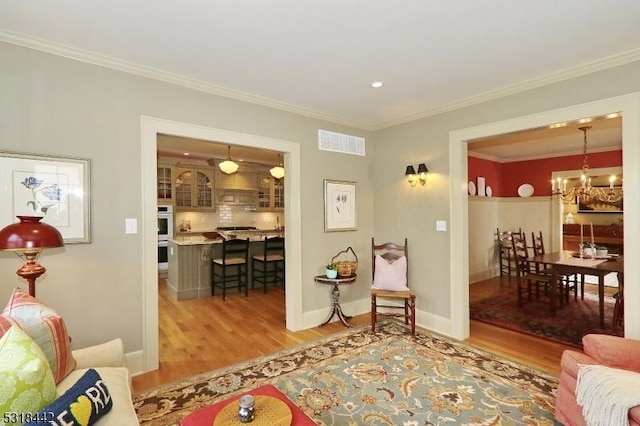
x=237, y=197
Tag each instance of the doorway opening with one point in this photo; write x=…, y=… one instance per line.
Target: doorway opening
x=151, y=128
x=629, y=106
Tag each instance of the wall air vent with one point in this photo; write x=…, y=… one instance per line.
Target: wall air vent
x=338, y=142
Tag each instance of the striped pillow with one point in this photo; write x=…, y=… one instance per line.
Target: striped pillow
x=45, y=327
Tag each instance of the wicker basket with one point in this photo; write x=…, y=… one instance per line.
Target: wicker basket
x=346, y=268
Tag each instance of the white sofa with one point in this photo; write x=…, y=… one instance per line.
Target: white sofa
x=109, y=361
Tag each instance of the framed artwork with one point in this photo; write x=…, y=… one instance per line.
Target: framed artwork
x=339, y=206
x=596, y=206
x=56, y=188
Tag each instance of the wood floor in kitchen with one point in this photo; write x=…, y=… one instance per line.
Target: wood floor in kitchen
x=198, y=335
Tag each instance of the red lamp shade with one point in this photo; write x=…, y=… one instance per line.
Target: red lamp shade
x=27, y=238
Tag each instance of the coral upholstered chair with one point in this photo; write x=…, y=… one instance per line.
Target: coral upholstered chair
x=610, y=351
x=390, y=267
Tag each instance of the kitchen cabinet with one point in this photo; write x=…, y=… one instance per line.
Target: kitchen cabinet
x=165, y=187
x=270, y=193
x=194, y=188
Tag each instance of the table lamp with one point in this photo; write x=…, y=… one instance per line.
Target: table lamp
x=27, y=239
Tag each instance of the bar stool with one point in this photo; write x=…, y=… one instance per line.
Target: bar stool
x=231, y=268
x=268, y=267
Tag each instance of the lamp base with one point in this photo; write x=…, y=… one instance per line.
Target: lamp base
x=30, y=271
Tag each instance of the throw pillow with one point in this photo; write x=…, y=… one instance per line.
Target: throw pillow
x=390, y=276
x=26, y=382
x=5, y=324
x=81, y=405
x=46, y=328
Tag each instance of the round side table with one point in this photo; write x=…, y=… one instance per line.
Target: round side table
x=335, y=295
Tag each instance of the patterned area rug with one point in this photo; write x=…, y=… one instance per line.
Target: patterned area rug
x=571, y=322
x=356, y=378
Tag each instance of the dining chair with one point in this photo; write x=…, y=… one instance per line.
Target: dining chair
x=505, y=251
x=570, y=281
x=230, y=270
x=526, y=277
x=618, y=307
x=269, y=266
x=390, y=280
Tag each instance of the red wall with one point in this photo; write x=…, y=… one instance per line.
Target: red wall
x=505, y=178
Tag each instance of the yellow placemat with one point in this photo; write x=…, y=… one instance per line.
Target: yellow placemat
x=270, y=411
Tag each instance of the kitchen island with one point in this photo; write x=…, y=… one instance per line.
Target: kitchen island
x=189, y=273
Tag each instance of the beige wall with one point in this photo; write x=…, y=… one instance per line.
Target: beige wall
x=53, y=105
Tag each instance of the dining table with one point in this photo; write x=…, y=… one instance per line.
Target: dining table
x=567, y=262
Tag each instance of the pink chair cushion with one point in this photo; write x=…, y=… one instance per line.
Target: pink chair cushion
x=390, y=276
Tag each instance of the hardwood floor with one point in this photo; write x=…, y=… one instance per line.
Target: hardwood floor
x=536, y=352
x=199, y=335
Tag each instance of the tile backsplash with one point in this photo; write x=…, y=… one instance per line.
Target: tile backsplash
x=228, y=215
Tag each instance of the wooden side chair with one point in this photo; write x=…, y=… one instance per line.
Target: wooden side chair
x=570, y=281
x=505, y=251
x=268, y=267
x=526, y=276
x=390, y=280
x=231, y=270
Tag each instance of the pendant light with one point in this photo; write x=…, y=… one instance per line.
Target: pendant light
x=277, y=171
x=228, y=166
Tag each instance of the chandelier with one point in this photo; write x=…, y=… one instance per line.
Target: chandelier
x=585, y=191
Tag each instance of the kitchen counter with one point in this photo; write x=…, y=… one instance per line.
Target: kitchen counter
x=192, y=240
x=195, y=238
x=189, y=274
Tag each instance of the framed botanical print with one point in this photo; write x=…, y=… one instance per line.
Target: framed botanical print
x=55, y=188
x=339, y=206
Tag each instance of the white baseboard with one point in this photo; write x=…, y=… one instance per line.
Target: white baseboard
x=134, y=362
x=423, y=319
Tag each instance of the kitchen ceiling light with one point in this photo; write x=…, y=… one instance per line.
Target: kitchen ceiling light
x=277, y=171
x=377, y=84
x=228, y=166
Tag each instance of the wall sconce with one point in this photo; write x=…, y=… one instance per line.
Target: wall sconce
x=420, y=177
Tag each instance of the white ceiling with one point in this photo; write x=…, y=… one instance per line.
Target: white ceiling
x=318, y=58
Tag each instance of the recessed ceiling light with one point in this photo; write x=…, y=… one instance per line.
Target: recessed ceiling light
x=377, y=84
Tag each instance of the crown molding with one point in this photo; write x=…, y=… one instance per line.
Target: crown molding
x=142, y=71
x=541, y=156
x=588, y=68
x=132, y=68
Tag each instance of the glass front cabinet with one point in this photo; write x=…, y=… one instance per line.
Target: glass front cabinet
x=165, y=183
x=270, y=193
x=194, y=188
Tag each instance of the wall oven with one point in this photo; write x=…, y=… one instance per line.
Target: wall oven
x=165, y=231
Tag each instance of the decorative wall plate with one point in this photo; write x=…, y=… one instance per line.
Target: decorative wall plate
x=525, y=190
x=472, y=188
x=489, y=191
